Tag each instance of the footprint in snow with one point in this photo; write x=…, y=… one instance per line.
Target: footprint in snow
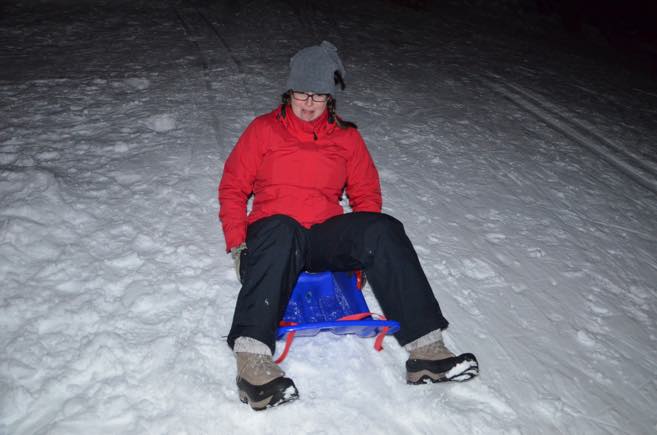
x=585, y=338
x=495, y=238
x=161, y=123
x=47, y=156
x=535, y=252
x=477, y=269
x=138, y=83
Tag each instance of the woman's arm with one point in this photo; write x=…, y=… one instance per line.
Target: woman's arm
x=363, y=186
x=237, y=183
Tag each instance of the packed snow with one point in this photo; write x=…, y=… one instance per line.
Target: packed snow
x=522, y=163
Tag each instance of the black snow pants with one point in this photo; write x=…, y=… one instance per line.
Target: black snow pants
x=279, y=249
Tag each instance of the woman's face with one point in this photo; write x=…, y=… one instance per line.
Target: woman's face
x=310, y=109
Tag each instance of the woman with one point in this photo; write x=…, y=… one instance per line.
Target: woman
x=297, y=161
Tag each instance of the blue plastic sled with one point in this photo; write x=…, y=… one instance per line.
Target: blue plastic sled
x=331, y=301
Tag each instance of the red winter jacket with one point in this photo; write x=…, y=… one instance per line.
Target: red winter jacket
x=296, y=168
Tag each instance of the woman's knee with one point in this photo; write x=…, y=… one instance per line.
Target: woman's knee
x=278, y=227
x=385, y=224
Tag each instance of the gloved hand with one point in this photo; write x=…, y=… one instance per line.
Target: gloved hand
x=236, y=253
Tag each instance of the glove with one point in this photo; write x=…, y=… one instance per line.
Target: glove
x=236, y=253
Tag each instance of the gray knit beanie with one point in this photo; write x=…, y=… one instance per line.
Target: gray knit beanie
x=312, y=69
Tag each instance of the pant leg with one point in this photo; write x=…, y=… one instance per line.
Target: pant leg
x=269, y=267
x=378, y=244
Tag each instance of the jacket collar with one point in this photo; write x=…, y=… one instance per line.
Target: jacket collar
x=305, y=130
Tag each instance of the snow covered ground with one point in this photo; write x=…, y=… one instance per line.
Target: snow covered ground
x=522, y=164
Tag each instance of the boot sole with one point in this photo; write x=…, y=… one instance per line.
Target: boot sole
x=276, y=392
x=465, y=368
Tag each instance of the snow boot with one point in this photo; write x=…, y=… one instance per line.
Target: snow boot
x=261, y=383
x=435, y=363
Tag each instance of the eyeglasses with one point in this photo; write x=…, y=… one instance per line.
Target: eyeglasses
x=303, y=96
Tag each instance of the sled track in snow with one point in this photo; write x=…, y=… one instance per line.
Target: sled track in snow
x=312, y=17
x=222, y=40
x=216, y=126
x=203, y=35
x=305, y=13
x=643, y=172
x=195, y=15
